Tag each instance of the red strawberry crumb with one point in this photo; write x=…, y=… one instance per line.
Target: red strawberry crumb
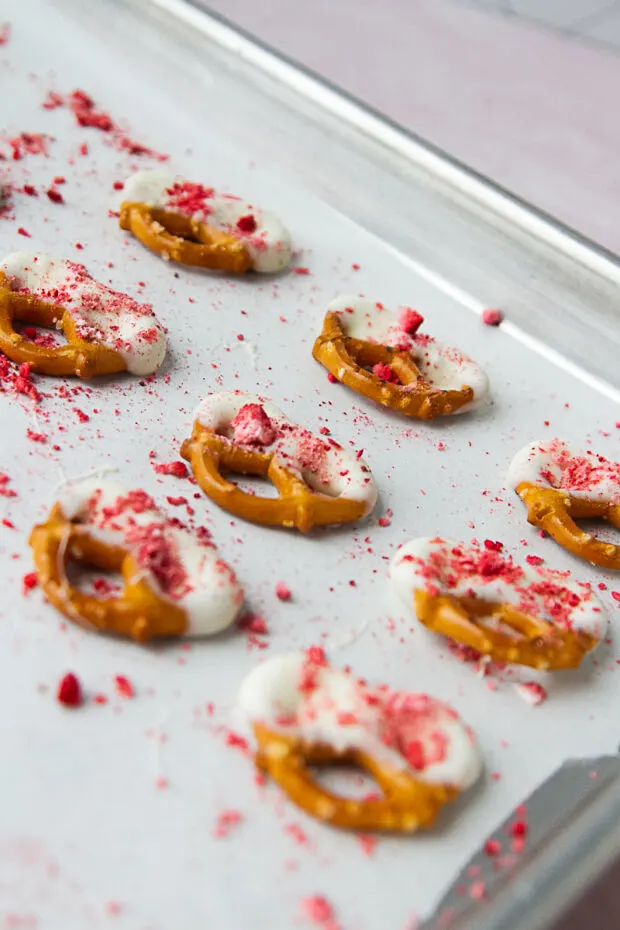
x=493, y=546
x=30, y=190
x=240, y=337
x=283, y=592
x=519, y=828
x=55, y=196
x=36, y=437
x=60, y=180
x=178, y=469
x=492, y=847
x=5, y=33
x=23, y=232
x=52, y=101
x=384, y=521
x=253, y=623
x=83, y=149
x=69, y=692
x=534, y=560
x=176, y=501
x=355, y=267
x=78, y=245
x=118, y=186
x=252, y=426
x=161, y=783
x=477, y=891
x=124, y=687
x=246, y=224
x=410, y=320
x=226, y=821
x=9, y=525
x=492, y=317
x=100, y=698
x=616, y=595
x=300, y=270
x=331, y=378
x=239, y=742
x=367, y=842
x=82, y=417
x=29, y=581
x=384, y=372
x=318, y=909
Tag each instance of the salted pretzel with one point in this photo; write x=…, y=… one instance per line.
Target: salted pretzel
x=382, y=356
x=478, y=596
x=185, y=222
x=306, y=713
x=107, y=331
x=560, y=485
x=175, y=583
x=318, y=482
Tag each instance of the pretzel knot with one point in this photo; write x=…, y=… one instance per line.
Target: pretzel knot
x=306, y=713
x=184, y=239
x=366, y=350
x=482, y=599
x=559, y=486
x=189, y=223
x=81, y=357
x=318, y=483
x=172, y=584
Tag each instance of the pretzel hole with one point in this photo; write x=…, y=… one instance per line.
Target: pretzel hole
x=347, y=781
x=256, y=485
x=47, y=337
x=88, y=579
x=90, y=568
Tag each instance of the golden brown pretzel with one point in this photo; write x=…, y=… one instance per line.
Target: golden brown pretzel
x=138, y=612
x=297, y=504
x=79, y=357
x=184, y=239
x=347, y=359
x=408, y=804
x=517, y=637
x=555, y=511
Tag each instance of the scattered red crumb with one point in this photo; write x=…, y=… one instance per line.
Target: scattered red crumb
x=410, y=320
x=82, y=417
x=83, y=108
x=28, y=143
x=5, y=33
x=240, y=337
x=30, y=190
x=531, y=692
x=298, y=834
x=477, y=890
x=318, y=909
x=29, y=581
x=493, y=546
x=387, y=519
x=161, y=783
x=100, y=698
x=8, y=523
x=18, y=378
x=69, y=692
x=492, y=317
x=23, y=232
x=52, y=101
x=178, y=469
x=36, y=437
x=176, y=501
x=519, y=828
x=253, y=623
x=4, y=490
x=384, y=372
x=55, y=196
x=78, y=245
x=367, y=842
x=616, y=595
x=492, y=847
x=239, y=742
x=300, y=270
x=283, y=592
x=355, y=266
x=534, y=560
x=124, y=687
x=118, y=185
x=246, y=224
x=331, y=378
x=253, y=427
x=113, y=908
x=226, y=821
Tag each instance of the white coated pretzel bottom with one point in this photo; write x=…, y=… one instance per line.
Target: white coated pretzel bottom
x=101, y=315
x=297, y=696
x=268, y=243
x=555, y=464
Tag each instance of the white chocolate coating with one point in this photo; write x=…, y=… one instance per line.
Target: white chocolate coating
x=554, y=464
x=323, y=465
x=446, y=567
x=335, y=709
x=442, y=366
x=195, y=579
x=101, y=315
x=269, y=244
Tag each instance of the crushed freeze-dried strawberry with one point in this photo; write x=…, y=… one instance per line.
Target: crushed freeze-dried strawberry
x=492, y=317
x=55, y=196
x=492, y=847
x=253, y=427
x=246, y=224
x=23, y=232
x=123, y=686
x=534, y=560
x=283, y=592
x=29, y=581
x=69, y=691
x=5, y=33
x=318, y=909
x=52, y=101
x=384, y=372
x=253, y=623
x=82, y=417
x=300, y=270
x=410, y=320
x=226, y=821
x=178, y=469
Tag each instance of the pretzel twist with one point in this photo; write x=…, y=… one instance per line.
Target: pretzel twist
x=138, y=613
x=347, y=358
x=297, y=505
x=407, y=804
x=517, y=637
x=79, y=357
x=555, y=512
x=184, y=239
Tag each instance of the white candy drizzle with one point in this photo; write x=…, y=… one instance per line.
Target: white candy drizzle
x=178, y=564
x=263, y=234
x=300, y=695
x=101, y=315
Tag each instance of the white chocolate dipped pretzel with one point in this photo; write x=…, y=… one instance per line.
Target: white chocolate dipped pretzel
x=211, y=229
x=304, y=712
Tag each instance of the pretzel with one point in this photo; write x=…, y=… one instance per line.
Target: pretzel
x=478, y=596
x=318, y=482
x=410, y=372
x=107, y=331
x=559, y=485
x=306, y=713
x=191, y=224
x=174, y=582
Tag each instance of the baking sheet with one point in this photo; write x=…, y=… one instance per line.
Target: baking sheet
x=110, y=812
